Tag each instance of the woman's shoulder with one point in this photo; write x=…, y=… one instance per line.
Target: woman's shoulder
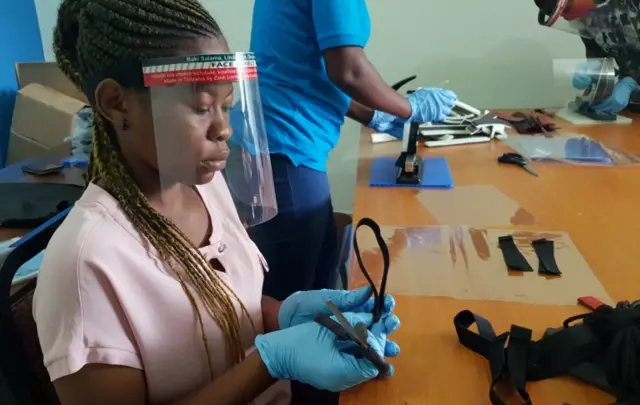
x=94, y=233
x=77, y=304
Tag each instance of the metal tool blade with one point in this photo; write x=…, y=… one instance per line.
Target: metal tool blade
x=355, y=335
x=530, y=170
x=410, y=163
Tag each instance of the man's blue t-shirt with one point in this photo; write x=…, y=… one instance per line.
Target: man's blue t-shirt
x=303, y=109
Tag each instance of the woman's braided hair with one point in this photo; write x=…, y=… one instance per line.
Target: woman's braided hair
x=99, y=39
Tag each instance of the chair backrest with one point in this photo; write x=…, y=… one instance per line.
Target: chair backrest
x=23, y=341
x=21, y=361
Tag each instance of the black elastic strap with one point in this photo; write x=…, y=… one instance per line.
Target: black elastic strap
x=492, y=348
x=608, y=338
x=485, y=343
x=546, y=257
x=378, y=294
x=518, y=358
x=513, y=258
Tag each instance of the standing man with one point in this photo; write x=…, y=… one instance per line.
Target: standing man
x=314, y=72
x=609, y=29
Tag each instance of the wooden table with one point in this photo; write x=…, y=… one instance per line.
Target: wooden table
x=598, y=206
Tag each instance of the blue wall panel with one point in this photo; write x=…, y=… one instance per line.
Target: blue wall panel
x=19, y=42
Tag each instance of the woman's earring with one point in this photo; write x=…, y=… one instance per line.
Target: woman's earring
x=125, y=124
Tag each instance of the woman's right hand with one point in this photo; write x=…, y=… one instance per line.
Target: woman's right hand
x=311, y=354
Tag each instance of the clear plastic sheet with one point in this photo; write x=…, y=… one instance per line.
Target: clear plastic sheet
x=478, y=205
x=466, y=263
x=567, y=148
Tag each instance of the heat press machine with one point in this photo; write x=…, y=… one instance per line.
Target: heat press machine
x=409, y=164
x=602, y=84
x=464, y=125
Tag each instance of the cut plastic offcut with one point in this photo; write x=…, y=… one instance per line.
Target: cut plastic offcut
x=435, y=173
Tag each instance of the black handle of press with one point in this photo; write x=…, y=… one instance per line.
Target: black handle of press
x=396, y=86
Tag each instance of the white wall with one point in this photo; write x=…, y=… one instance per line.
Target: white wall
x=493, y=54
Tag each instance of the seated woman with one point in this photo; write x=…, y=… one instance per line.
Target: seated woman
x=150, y=292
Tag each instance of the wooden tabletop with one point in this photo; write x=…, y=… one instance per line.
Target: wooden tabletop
x=599, y=207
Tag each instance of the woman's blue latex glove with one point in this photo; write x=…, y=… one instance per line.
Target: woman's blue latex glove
x=311, y=354
x=619, y=100
x=303, y=306
x=387, y=123
x=431, y=105
x=584, y=73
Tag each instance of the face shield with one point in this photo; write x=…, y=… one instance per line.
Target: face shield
x=570, y=15
x=207, y=121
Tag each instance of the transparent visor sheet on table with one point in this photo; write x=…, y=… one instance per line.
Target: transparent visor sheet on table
x=466, y=263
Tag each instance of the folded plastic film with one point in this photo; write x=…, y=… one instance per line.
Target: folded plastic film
x=570, y=148
x=467, y=263
x=81, y=139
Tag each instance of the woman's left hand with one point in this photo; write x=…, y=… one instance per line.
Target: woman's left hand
x=303, y=306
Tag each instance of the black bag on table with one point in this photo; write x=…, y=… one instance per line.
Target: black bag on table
x=603, y=349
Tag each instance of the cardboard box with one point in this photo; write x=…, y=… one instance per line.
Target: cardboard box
x=45, y=112
x=47, y=74
x=23, y=148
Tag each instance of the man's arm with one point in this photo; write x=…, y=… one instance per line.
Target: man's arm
x=101, y=384
x=342, y=31
x=360, y=113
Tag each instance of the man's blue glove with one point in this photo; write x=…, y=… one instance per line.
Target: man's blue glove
x=311, y=354
x=303, y=306
x=387, y=123
x=431, y=105
x=584, y=73
x=619, y=100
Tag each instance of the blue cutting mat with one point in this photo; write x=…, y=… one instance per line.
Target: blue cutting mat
x=435, y=173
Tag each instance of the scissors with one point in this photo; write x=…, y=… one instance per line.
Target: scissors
x=518, y=160
x=357, y=334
